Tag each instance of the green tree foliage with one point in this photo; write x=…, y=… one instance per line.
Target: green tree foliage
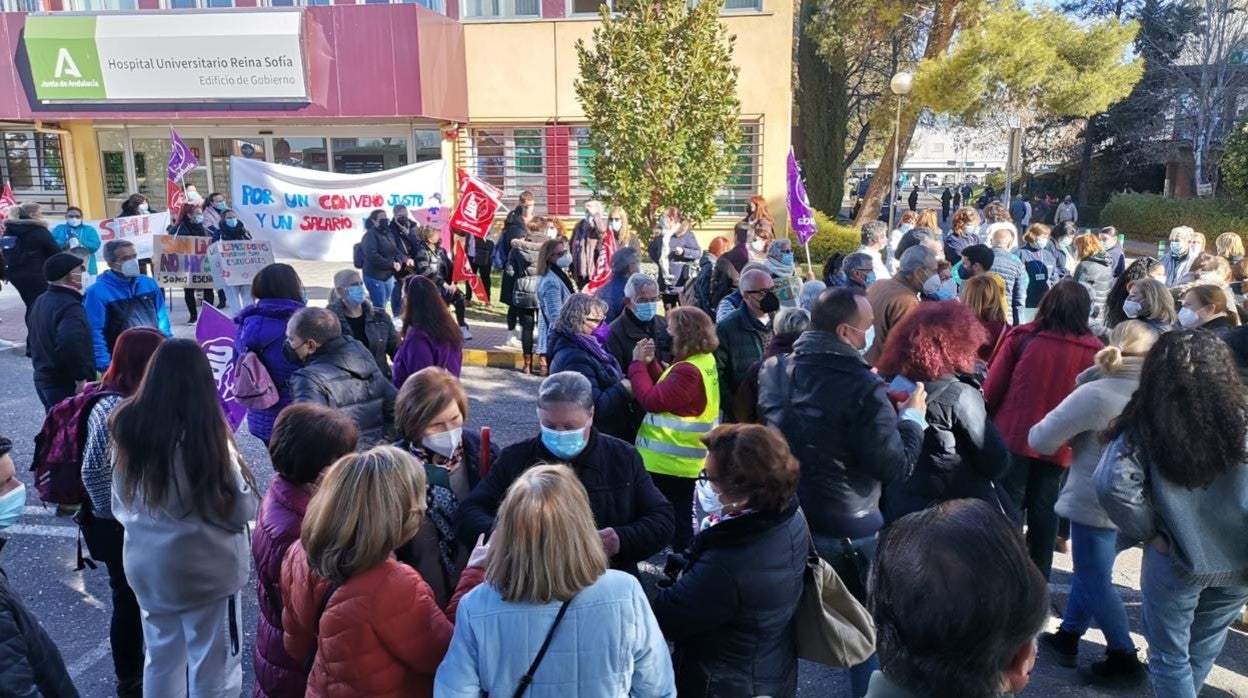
x=660, y=92
x=823, y=115
x=1235, y=161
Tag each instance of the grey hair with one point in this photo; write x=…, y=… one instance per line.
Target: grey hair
x=791, y=321
x=873, y=232
x=637, y=282
x=28, y=210
x=810, y=294
x=856, y=262
x=575, y=309
x=341, y=279
x=755, y=265
x=914, y=259
x=625, y=258
x=753, y=278
x=565, y=388
x=112, y=248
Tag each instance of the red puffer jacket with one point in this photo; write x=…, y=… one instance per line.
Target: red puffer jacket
x=1030, y=374
x=382, y=634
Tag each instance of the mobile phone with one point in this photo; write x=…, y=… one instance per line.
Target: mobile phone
x=901, y=384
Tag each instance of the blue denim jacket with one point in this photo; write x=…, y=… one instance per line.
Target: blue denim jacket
x=608, y=645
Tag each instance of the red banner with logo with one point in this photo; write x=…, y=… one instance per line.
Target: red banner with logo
x=174, y=197
x=478, y=202
x=463, y=272
x=602, y=270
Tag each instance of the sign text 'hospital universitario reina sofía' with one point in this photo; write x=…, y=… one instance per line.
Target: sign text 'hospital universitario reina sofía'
x=258, y=56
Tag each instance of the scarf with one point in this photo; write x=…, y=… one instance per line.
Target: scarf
x=591, y=345
x=443, y=505
x=779, y=268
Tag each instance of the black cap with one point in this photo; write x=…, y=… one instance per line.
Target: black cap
x=60, y=265
x=981, y=255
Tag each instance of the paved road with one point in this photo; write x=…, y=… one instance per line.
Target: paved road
x=39, y=557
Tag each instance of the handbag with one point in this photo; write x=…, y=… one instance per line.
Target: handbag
x=831, y=627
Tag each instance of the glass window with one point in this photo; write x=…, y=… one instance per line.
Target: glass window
x=580, y=176
x=587, y=7
x=222, y=149
x=98, y=5
x=20, y=6
x=308, y=153
x=512, y=160
x=32, y=161
x=113, y=166
x=294, y=3
x=756, y=5
x=428, y=144
x=151, y=167
x=743, y=180
x=360, y=155
x=478, y=9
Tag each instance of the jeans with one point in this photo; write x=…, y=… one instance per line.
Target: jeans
x=1092, y=594
x=51, y=395
x=1034, y=484
x=237, y=297
x=832, y=549
x=396, y=298
x=1185, y=625
x=379, y=291
x=125, y=630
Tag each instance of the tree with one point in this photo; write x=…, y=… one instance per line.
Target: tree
x=1235, y=161
x=660, y=93
x=822, y=114
x=1010, y=62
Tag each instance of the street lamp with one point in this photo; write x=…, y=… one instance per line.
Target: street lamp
x=900, y=85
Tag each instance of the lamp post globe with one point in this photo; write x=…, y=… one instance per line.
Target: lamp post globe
x=901, y=84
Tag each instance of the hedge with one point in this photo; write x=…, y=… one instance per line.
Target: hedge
x=1151, y=216
x=830, y=237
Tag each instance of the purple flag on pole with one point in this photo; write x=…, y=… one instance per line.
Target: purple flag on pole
x=215, y=334
x=801, y=216
x=181, y=159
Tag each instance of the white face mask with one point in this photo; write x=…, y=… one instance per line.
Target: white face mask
x=757, y=245
x=708, y=505
x=143, y=208
x=1131, y=308
x=444, y=443
x=1188, y=317
x=932, y=285
x=130, y=268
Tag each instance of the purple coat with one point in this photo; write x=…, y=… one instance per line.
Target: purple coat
x=262, y=329
x=419, y=350
x=277, y=528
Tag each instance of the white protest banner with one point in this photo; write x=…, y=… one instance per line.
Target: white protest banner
x=181, y=261
x=136, y=229
x=236, y=262
x=309, y=214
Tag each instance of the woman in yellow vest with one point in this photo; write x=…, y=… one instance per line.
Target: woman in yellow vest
x=682, y=405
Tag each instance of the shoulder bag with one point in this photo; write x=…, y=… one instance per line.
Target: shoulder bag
x=528, y=675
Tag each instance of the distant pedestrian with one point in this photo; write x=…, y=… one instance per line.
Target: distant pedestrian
x=1066, y=211
x=946, y=199
x=914, y=198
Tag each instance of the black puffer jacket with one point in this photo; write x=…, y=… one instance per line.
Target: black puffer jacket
x=34, y=245
x=30, y=663
x=731, y=612
x=843, y=429
x=432, y=263
x=522, y=269
x=382, y=339
x=963, y=454
x=60, y=339
x=343, y=375
x=621, y=495
x=615, y=411
x=381, y=253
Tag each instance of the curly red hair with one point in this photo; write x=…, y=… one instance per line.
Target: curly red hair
x=936, y=339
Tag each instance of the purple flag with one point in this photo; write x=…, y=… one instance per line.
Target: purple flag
x=181, y=159
x=801, y=216
x=215, y=333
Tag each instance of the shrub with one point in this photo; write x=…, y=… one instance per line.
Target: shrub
x=1151, y=216
x=830, y=237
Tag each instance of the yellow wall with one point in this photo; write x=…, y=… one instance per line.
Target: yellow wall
x=86, y=190
x=524, y=71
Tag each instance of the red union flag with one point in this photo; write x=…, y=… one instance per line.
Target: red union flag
x=602, y=270
x=174, y=197
x=6, y=202
x=478, y=201
x=463, y=272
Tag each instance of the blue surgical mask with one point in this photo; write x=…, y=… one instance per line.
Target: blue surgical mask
x=231, y=222
x=870, y=278
x=646, y=311
x=356, y=295
x=197, y=218
x=787, y=259
x=906, y=227
x=1178, y=248
x=564, y=444
x=220, y=205
x=869, y=339
x=12, y=505
x=565, y=261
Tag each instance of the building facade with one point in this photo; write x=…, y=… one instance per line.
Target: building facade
x=342, y=87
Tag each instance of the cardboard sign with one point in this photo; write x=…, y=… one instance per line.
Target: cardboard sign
x=181, y=261
x=236, y=262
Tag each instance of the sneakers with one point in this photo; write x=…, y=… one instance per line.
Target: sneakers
x=1063, y=644
x=513, y=340
x=463, y=329
x=1116, y=669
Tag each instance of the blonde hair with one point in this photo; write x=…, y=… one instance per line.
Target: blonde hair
x=1128, y=338
x=1199, y=240
x=985, y=295
x=692, y=332
x=423, y=396
x=1087, y=245
x=1211, y=294
x=367, y=505
x=1155, y=300
x=1036, y=230
x=928, y=219
x=545, y=545
x=625, y=236
x=1229, y=245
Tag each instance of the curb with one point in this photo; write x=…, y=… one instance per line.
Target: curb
x=486, y=358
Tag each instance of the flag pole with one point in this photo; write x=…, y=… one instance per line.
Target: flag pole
x=810, y=269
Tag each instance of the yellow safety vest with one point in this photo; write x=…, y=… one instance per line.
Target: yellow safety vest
x=672, y=445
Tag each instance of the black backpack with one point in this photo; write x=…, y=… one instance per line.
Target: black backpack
x=357, y=255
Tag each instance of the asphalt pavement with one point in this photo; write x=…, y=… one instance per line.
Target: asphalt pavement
x=74, y=606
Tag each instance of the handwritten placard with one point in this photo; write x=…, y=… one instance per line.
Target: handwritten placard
x=236, y=262
x=181, y=261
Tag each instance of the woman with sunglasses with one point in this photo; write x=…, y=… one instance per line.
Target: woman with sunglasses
x=573, y=347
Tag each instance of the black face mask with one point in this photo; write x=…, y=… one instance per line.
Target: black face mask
x=289, y=353
x=382, y=222
x=403, y=220
x=769, y=303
